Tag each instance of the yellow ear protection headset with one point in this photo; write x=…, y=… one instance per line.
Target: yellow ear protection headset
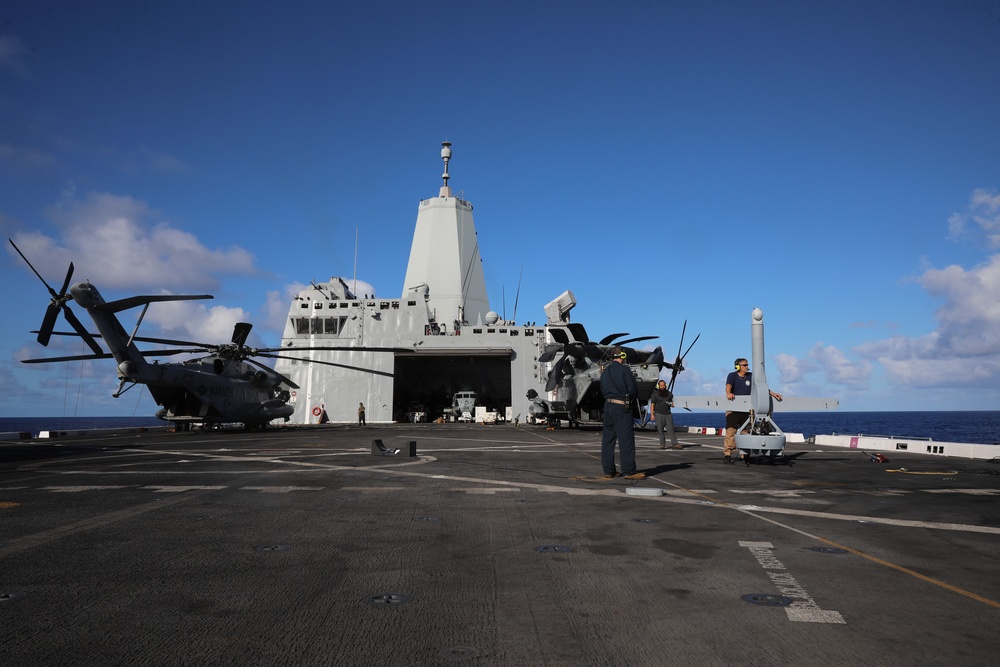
x=736, y=364
x=622, y=356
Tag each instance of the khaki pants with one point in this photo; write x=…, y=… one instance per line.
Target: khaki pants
x=733, y=422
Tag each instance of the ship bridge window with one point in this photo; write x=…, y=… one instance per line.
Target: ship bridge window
x=529, y=332
x=384, y=305
x=515, y=332
x=411, y=303
x=344, y=305
x=319, y=325
x=503, y=331
x=317, y=305
x=491, y=331
x=303, y=305
x=334, y=325
x=477, y=331
x=395, y=305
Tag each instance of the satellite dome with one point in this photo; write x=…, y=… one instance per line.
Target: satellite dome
x=491, y=318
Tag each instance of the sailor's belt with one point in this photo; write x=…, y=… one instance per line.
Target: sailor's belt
x=615, y=400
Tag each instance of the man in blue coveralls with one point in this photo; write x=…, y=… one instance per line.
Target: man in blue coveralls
x=619, y=389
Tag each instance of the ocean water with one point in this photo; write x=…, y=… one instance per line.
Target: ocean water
x=979, y=427
x=976, y=427
x=33, y=425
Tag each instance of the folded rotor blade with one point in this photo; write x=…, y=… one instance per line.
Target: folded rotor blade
x=241, y=332
x=48, y=323
x=610, y=337
x=284, y=378
x=635, y=340
x=549, y=354
x=327, y=363
x=69, y=276
x=78, y=357
x=82, y=330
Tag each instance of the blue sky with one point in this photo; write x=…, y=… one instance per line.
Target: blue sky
x=836, y=164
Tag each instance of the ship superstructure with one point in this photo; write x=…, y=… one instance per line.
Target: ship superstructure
x=453, y=341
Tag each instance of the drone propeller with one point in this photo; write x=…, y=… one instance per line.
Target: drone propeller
x=58, y=303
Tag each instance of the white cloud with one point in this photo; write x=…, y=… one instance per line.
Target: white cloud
x=196, y=320
x=792, y=369
x=276, y=307
x=360, y=288
x=840, y=370
x=964, y=350
x=113, y=241
x=983, y=211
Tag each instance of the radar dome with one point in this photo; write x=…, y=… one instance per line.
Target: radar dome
x=491, y=318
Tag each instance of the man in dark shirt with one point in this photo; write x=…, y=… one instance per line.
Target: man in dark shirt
x=619, y=389
x=738, y=383
x=660, y=404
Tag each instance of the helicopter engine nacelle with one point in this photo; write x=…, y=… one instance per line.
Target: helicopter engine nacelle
x=260, y=377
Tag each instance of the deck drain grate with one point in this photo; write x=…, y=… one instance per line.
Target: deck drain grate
x=387, y=599
x=274, y=547
x=828, y=550
x=459, y=653
x=553, y=548
x=765, y=600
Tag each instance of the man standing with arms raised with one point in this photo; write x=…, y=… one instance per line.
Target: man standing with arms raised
x=619, y=389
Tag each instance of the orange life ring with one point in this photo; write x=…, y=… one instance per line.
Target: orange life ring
x=317, y=411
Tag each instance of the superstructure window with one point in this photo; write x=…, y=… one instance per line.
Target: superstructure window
x=331, y=326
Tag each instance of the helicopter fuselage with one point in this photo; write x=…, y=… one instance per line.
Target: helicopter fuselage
x=208, y=389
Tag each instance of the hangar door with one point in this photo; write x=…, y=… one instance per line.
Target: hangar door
x=431, y=379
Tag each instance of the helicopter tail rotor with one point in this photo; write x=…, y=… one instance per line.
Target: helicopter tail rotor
x=59, y=302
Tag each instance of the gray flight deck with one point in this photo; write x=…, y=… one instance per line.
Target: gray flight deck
x=495, y=545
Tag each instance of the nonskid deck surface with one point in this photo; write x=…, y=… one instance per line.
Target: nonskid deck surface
x=495, y=545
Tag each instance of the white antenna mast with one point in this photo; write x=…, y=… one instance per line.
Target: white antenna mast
x=445, y=155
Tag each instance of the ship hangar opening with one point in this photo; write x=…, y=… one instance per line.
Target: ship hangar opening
x=430, y=379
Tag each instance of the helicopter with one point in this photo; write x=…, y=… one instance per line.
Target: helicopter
x=575, y=375
x=226, y=385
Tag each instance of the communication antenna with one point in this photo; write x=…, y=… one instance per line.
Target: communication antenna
x=446, y=156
